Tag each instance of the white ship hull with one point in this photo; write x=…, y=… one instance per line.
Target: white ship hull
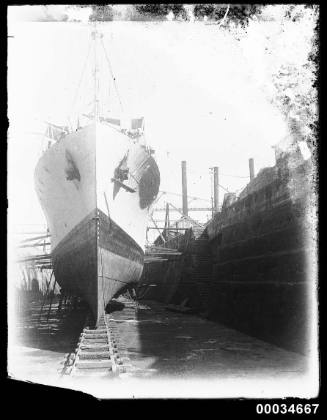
x=96, y=186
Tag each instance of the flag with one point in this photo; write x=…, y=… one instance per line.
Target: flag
x=56, y=132
x=137, y=123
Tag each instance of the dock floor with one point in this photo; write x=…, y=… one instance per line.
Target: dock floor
x=162, y=343
x=158, y=344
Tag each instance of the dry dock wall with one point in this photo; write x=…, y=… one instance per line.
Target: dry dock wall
x=160, y=280
x=186, y=279
x=260, y=279
x=196, y=272
x=261, y=254
x=249, y=268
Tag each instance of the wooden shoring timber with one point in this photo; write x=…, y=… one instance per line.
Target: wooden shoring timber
x=160, y=248
x=31, y=233
x=151, y=260
x=42, y=263
x=44, y=267
x=167, y=256
x=162, y=254
x=36, y=238
x=36, y=258
x=34, y=245
x=159, y=251
x=154, y=252
x=40, y=267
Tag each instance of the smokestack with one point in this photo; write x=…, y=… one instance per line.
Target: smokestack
x=215, y=189
x=184, y=188
x=251, y=167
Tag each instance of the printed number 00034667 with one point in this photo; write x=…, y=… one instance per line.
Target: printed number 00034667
x=284, y=408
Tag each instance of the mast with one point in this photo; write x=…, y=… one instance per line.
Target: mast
x=96, y=46
x=95, y=36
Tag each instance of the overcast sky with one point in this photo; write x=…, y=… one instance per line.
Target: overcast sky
x=198, y=94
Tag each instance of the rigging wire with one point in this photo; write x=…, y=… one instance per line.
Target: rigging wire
x=199, y=175
x=180, y=195
x=235, y=176
x=196, y=172
x=112, y=75
x=80, y=81
x=225, y=189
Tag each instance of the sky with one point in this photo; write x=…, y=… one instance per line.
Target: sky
x=198, y=93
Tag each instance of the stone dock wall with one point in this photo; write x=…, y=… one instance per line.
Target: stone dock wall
x=249, y=268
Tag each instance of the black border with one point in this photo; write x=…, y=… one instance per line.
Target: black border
x=30, y=397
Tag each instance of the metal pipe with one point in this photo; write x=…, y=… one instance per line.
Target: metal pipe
x=184, y=188
x=167, y=216
x=251, y=167
x=216, y=189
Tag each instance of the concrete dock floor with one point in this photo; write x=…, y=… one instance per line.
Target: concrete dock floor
x=162, y=343
x=158, y=345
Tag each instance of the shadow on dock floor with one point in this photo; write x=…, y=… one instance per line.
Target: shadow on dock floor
x=162, y=343
x=50, y=329
x=159, y=344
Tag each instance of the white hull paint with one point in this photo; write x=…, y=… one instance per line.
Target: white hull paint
x=74, y=182
x=96, y=151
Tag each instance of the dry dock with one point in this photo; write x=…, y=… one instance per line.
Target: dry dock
x=154, y=342
x=163, y=343
x=231, y=299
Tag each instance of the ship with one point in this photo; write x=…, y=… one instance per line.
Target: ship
x=96, y=185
